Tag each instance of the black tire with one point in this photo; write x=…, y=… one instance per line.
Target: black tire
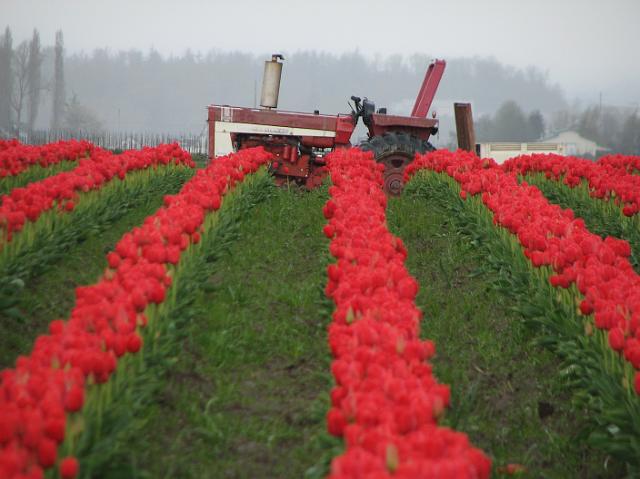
x=396, y=150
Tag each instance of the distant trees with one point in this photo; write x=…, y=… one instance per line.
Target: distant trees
x=57, y=110
x=129, y=89
x=535, y=125
x=615, y=128
x=510, y=123
x=150, y=92
x=34, y=79
x=589, y=123
x=629, y=142
x=20, y=82
x=20, y=91
x=6, y=79
x=78, y=117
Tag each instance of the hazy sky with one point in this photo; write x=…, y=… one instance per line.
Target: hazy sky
x=587, y=46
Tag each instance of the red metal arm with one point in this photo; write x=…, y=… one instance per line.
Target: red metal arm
x=428, y=88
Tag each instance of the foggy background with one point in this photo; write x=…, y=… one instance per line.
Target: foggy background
x=154, y=65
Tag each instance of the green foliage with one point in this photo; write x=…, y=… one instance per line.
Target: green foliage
x=506, y=394
x=114, y=411
x=601, y=382
x=248, y=394
x=200, y=159
x=47, y=240
x=603, y=218
x=34, y=173
x=234, y=375
x=51, y=294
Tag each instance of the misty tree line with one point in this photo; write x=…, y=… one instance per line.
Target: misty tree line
x=22, y=84
x=148, y=92
x=510, y=123
x=24, y=88
x=615, y=128
x=132, y=90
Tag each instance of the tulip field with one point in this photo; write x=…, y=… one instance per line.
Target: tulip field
x=164, y=318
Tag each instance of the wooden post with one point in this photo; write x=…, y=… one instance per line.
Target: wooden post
x=464, y=127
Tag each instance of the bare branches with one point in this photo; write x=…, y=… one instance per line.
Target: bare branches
x=21, y=82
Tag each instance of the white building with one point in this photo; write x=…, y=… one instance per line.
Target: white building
x=575, y=145
x=502, y=151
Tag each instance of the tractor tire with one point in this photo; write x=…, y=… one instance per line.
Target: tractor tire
x=396, y=151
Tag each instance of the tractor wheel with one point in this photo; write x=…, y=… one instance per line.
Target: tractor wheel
x=395, y=151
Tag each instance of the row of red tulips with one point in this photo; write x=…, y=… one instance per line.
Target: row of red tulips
x=386, y=403
x=628, y=163
x=6, y=144
x=16, y=158
x=48, y=388
x=551, y=236
x=607, y=180
x=62, y=190
x=606, y=215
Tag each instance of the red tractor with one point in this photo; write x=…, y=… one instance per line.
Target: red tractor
x=299, y=141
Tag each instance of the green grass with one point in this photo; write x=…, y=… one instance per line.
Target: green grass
x=507, y=393
x=249, y=393
x=201, y=160
x=53, y=235
x=51, y=294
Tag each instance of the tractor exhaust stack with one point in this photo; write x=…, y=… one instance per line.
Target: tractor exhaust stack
x=271, y=82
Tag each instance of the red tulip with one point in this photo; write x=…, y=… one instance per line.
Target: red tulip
x=47, y=452
x=336, y=422
x=616, y=339
x=134, y=343
x=69, y=468
x=74, y=399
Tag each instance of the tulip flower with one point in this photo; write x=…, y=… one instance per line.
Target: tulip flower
x=16, y=158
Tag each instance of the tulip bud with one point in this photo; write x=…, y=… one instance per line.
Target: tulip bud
x=438, y=408
x=113, y=259
x=69, y=468
x=336, y=422
x=134, y=343
x=616, y=339
x=74, y=399
x=47, y=452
